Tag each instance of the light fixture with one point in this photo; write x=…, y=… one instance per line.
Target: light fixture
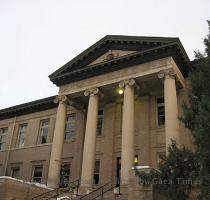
x=120, y=91
x=136, y=160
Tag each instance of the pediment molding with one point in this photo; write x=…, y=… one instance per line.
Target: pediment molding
x=142, y=49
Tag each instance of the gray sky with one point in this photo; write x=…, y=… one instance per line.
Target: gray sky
x=39, y=36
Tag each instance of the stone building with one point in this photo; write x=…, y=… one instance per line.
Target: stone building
x=119, y=100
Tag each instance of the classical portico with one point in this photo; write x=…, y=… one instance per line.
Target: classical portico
x=94, y=96
x=96, y=82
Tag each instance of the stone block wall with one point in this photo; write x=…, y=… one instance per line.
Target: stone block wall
x=13, y=189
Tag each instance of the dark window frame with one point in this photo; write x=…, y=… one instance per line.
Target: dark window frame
x=22, y=133
x=100, y=122
x=96, y=175
x=13, y=169
x=160, y=107
x=43, y=126
x=69, y=122
x=65, y=173
x=37, y=179
x=3, y=135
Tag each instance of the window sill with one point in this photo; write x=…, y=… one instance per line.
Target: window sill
x=160, y=127
x=95, y=186
x=99, y=137
x=157, y=127
x=44, y=144
x=32, y=146
x=70, y=140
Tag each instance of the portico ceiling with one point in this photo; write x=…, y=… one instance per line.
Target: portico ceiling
x=145, y=49
x=145, y=86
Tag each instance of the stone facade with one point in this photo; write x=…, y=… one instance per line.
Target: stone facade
x=129, y=126
x=11, y=189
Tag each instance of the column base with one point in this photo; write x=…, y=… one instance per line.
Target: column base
x=124, y=192
x=85, y=190
x=52, y=184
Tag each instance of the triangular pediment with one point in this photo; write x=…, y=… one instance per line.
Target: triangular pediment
x=110, y=55
x=111, y=48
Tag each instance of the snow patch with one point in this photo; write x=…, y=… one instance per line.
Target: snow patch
x=64, y=197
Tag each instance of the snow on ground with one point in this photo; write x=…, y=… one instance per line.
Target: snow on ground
x=64, y=197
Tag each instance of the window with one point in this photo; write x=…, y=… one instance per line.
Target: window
x=160, y=157
x=70, y=126
x=1, y=170
x=100, y=122
x=3, y=132
x=15, y=172
x=160, y=111
x=43, y=131
x=64, y=174
x=118, y=169
x=37, y=174
x=96, y=172
x=22, y=132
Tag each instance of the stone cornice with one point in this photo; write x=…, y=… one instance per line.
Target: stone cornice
x=27, y=108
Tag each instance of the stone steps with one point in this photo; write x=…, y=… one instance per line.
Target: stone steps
x=107, y=196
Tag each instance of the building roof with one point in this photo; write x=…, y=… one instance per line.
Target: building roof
x=146, y=49
x=26, y=108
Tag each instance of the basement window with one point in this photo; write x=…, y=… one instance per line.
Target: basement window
x=15, y=172
x=37, y=174
x=64, y=175
x=96, y=173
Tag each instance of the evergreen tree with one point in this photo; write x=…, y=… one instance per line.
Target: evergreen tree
x=178, y=173
x=196, y=115
x=181, y=168
x=176, y=176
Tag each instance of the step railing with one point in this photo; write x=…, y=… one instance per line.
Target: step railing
x=72, y=186
x=99, y=192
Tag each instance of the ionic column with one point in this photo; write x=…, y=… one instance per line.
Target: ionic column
x=171, y=107
x=90, y=138
x=57, y=144
x=127, y=155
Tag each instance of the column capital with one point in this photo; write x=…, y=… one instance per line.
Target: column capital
x=92, y=92
x=130, y=82
x=61, y=99
x=167, y=73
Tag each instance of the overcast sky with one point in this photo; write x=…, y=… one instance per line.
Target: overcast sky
x=39, y=36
